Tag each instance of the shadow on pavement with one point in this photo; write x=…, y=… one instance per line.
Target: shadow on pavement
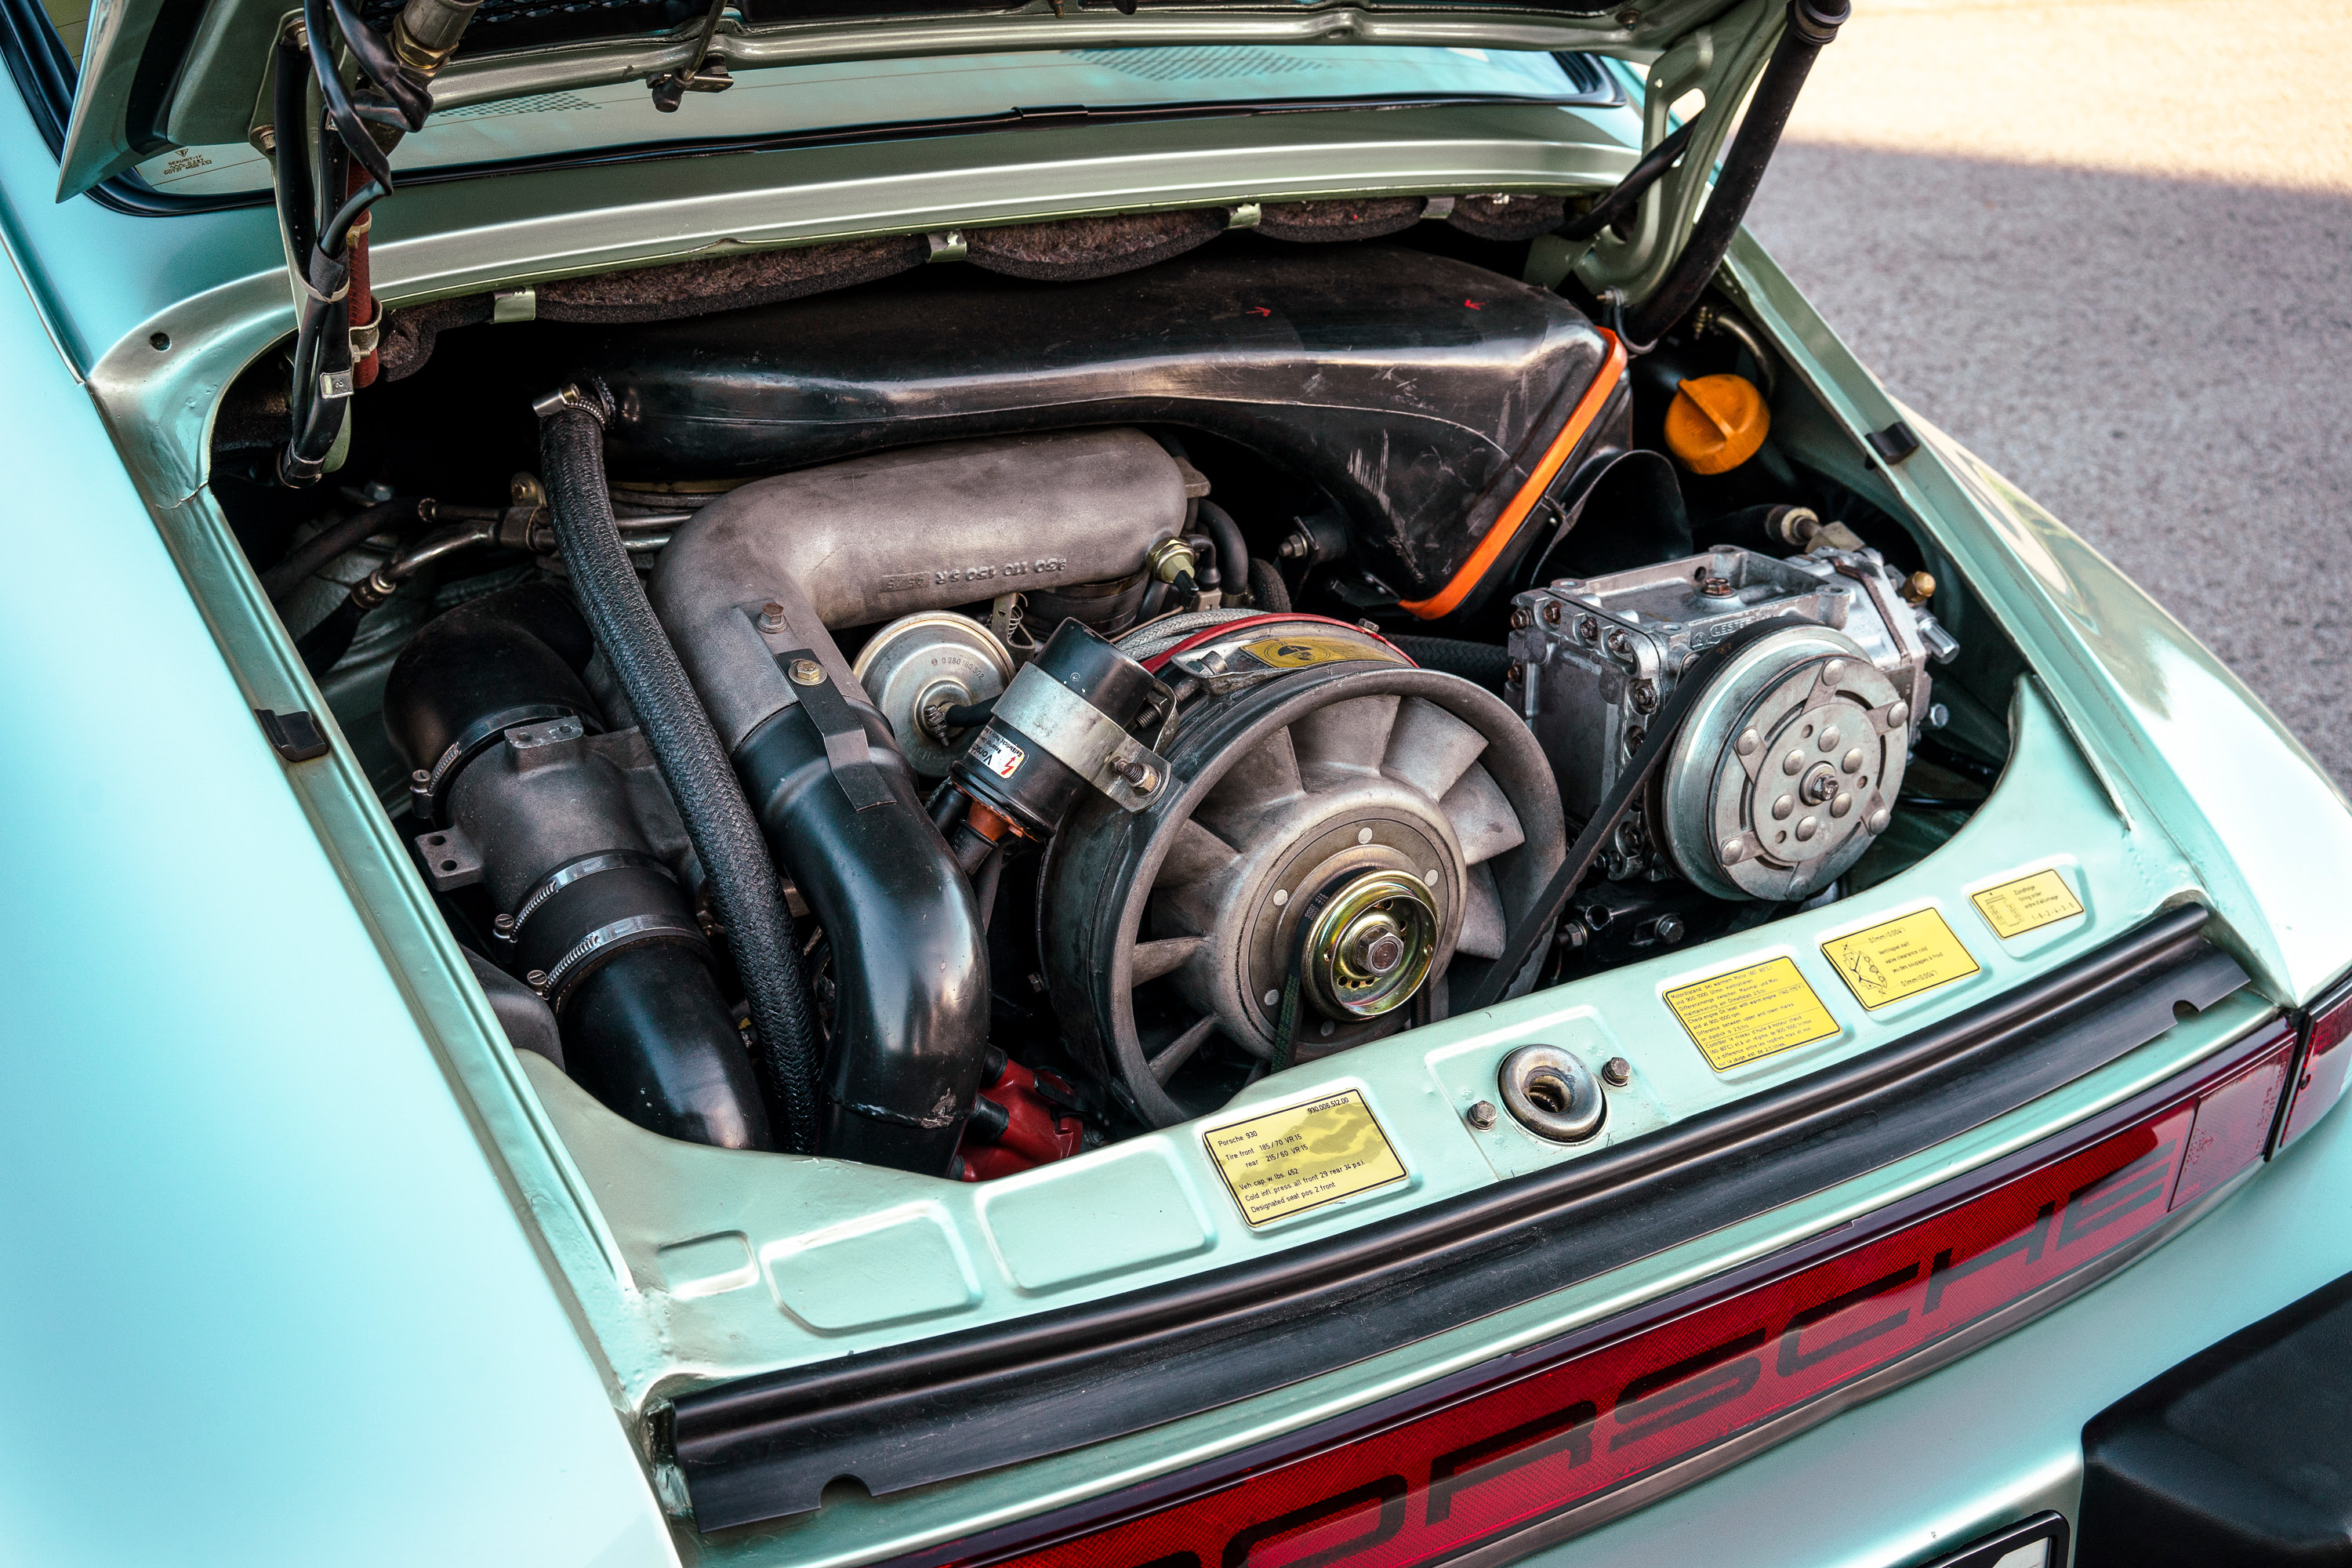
x=2162, y=364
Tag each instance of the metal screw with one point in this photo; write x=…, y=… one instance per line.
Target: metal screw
x=1616, y=1072
x=1899, y=715
x=1734, y=851
x=1136, y=772
x=1833, y=671
x=1636, y=736
x=772, y=617
x=1715, y=587
x=536, y=980
x=1629, y=17
x=1588, y=629
x=1551, y=612
x=1481, y=1115
x=806, y=672
x=420, y=778
x=1878, y=821
x=1620, y=644
x=503, y=926
x=1671, y=929
x=1512, y=674
x=1520, y=620
x=1646, y=696
x=1293, y=546
x=1919, y=587
x=1571, y=935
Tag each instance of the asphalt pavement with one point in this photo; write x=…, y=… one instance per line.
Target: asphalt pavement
x=2108, y=245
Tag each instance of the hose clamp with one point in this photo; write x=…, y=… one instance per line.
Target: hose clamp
x=597, y=402
x=563, y=876
x=1083, y=738
x=591, y=951
x=425, y=792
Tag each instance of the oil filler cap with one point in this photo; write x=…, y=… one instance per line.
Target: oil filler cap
x=1716, y=423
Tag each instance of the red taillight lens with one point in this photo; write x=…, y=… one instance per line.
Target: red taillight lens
x=2320, y=1084
x=1624, y=1400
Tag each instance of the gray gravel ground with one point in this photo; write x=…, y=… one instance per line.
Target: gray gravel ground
x=2164, y=359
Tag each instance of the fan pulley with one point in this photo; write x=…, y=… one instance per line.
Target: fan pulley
x=1336, y=820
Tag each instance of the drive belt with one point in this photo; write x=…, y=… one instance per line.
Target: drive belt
x=1534, y=928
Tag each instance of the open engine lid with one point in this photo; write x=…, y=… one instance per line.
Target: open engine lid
x=160, y=74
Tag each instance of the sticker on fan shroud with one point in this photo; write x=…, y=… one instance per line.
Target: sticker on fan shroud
x=1750, y=1014
x=1294, y=1157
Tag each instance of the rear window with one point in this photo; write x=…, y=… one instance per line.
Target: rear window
x=932, y=96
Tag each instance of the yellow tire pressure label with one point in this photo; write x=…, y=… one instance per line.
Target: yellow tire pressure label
x=1899, y=958
x=1751, y=1012
x=2027, y=904
x=1298, y=1157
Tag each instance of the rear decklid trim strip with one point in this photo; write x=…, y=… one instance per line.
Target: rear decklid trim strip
x=765, y=1447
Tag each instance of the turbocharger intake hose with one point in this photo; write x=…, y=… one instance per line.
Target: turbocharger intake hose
x=742, y=882
x=909, y=953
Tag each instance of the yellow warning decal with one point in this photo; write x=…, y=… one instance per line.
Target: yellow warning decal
x=1899, y=958
x=1299, y=1157
x=2027, y=904
x=1298, y=653
x=1751, y=1012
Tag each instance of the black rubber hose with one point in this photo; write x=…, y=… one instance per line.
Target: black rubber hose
x=1618, y=202
x=291, y=96
x=323, y=645
x=1485, y=663
x=1812, y=25
x=742, y=881
x=1233, y=550
x=336, y=540
x=1267, y=590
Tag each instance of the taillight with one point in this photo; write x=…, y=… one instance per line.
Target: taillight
x=2319, y=1080
x=1497, y=1449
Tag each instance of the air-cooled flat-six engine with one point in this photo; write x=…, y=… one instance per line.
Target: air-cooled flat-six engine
x=1059, y=663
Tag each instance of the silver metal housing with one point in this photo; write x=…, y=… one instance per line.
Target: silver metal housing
x=874, y=538
x=1594, y=658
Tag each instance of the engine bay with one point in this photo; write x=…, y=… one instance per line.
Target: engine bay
x=953, y=717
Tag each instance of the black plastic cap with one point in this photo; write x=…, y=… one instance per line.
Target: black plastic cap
x=293, y=736
x=2241, y=1454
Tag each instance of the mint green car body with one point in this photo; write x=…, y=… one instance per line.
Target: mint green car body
x=311, y=1268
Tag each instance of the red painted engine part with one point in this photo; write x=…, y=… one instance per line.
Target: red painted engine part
x=1035, y=1129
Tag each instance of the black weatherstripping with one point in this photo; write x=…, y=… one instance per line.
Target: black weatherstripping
x=765, y=1447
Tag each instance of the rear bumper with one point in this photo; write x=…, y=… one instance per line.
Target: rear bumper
x=1997, y=1435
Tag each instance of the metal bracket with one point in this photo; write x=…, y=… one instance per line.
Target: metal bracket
x=847, y=749
x=452, y=860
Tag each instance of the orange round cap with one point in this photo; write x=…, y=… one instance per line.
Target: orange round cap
x=1716, y=423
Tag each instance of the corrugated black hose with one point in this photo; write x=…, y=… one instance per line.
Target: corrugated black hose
x=1812, y=25
x=742, y=880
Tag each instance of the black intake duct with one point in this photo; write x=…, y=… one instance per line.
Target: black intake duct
x=1416, y=391
x=487, y=704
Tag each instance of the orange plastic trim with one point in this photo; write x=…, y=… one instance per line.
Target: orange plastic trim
x=1507, y=527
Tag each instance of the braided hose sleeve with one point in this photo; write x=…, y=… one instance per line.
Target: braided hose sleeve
x=742, y=880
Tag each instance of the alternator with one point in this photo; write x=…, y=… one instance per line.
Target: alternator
x=1790, y=763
